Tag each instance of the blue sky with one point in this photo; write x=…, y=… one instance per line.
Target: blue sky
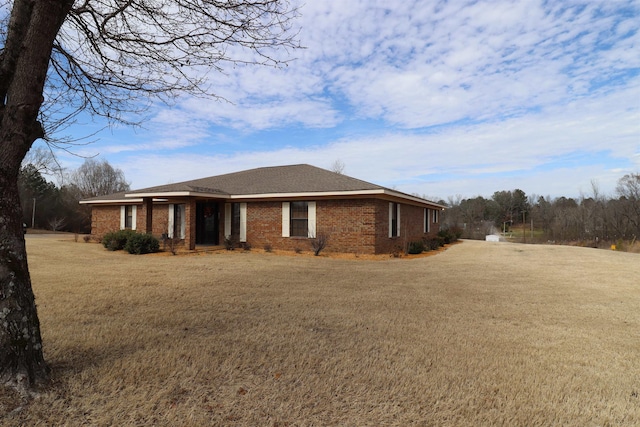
x=436, y=98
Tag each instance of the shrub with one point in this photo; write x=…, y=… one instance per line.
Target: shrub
x=432, y=243
x=415, y=248
x=116, y=240
x=142, y=244
x=268, y=248
x=172, y=243
x=229, y=243
x=246, y=246
x=319, y=243
x=396, y=252
x=456, y=231
x=86, y=238
x=450, y=235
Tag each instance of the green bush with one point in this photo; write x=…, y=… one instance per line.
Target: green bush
x=142, y=244
x=450, y=235
x=433, y=243
x=116, y=240
x=415, y=248
x=229, y=243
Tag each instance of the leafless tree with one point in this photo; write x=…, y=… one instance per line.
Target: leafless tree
x=628, y=190
x=97, y=178
x=109, y=58
x=43, y=160
x=57, y=223
x=338, y=166
x=319, y=242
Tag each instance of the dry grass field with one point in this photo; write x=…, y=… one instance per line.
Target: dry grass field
x=480, y=334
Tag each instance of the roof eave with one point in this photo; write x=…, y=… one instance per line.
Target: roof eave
x=415, y=199
x=167, y=194
x=109, y=201
x=138, y=197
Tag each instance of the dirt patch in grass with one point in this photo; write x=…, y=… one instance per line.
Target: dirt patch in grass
x=481, y=334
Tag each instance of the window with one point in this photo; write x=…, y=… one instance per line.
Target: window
x=299, y=219
x=394, y=219
x=128, y=217
x=435, y=216
x=427, y=220
x=178, y=221
x=235, y=219
x=177, y=226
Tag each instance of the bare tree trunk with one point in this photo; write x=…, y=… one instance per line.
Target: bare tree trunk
x=24, y=62
x=22, y=363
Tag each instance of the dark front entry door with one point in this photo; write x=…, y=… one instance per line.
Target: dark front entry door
x=207, y=223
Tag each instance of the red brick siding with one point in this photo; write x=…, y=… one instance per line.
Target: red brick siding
x=105, y=219
x=159, y=220
x=411, y=227
x=350, y=224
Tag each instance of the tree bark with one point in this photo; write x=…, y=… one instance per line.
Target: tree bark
x=22, y=364
x=23, y=69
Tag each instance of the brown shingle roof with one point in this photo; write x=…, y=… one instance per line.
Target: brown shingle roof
x=293, y=179
x=268, y=180
x=108, y=197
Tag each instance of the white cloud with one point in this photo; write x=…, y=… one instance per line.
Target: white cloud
x=470, y=95
x=415, y=64
x=527, y=152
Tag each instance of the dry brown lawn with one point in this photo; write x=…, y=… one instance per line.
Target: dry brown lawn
x=480, y=334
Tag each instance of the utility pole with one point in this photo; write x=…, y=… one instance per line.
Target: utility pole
x=524, y=228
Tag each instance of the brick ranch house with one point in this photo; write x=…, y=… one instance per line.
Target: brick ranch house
x=282, y=207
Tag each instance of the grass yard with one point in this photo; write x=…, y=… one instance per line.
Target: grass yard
x=480, y=334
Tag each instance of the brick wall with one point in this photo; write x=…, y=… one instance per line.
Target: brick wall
x=411, y=227
x=349, y=223
x=105, y=219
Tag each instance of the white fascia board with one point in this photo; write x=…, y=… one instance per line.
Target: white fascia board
x=313, y=194
x=179, y=194
x=111, y=202
x=137, y=197
x=413, y=198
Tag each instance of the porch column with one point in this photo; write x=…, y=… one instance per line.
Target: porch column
x=190, y=224
x=147, y=202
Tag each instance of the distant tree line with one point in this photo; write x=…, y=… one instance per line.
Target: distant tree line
x=46, y=205
x=592, y=220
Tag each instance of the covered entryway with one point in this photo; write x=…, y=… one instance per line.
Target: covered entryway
x=207, y=223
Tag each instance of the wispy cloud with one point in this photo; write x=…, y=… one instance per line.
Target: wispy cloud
x=447, y=97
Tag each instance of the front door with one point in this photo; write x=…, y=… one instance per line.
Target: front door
x=207, y=223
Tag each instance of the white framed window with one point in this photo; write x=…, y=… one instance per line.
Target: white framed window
x=235, y=221
x=435, y=216
x=243, y=222
x=128, y=215
x=427, y=220
x=177, y=224
x=298, y=219
x=394, y=219
x=228, y=220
